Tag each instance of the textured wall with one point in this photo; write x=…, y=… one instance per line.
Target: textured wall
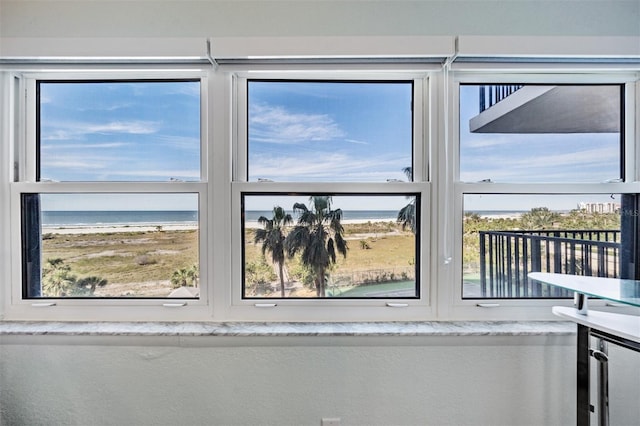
x=288, y=381
x=186, y=18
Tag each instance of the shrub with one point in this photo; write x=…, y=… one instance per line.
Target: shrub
x=259, y=276
x=143, y=259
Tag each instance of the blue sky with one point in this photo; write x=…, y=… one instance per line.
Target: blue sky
x=123, y=202
x=298, y=131
x=357, y=132
x=571, y=157
x=138, y=131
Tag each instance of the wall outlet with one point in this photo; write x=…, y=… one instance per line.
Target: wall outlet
x=333, y=421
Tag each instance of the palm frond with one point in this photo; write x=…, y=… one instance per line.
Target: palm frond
x=265, y=222
x=408, y=172
x=296, y=239
x=299, y=208
x=341, y=244
x=407, y=216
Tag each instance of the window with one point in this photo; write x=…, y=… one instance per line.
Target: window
x=110, y=245
x=311, y=191
x=118, y=130
x=111, y=196
x=329, y=131
x=539, y=165
x=541, y=133
x=327, y=246
x=330, y=186
x=506, y=236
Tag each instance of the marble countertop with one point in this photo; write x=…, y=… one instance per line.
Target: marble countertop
x=247, y=329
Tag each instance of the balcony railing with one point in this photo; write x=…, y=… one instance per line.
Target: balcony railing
x=491, y=95
x=507, y=257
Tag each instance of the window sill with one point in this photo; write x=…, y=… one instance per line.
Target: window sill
x=286, y=329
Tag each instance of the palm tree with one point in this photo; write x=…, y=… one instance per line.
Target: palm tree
x=180, y=278
x=272, y=237
x=318, y=235
x=194, y=274
x=92, y=282
x=51, y=264
x=407, y=215
x=539, y=218
x=185, y=277
x=57, y=279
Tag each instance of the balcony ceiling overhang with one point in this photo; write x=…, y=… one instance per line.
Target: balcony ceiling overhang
x=553, y=109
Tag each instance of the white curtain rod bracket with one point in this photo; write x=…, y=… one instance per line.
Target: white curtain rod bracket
x=210, y=56
x=451, y=59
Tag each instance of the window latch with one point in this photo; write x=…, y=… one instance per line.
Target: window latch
x=265, y=305
x=488, y=305
x=174, y=305
x=43, y=305
x=397, y=305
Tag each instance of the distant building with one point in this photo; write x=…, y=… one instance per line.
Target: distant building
x=599, y=207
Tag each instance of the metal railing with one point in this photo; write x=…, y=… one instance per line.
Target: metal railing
x=491, y=95
x=507, y=257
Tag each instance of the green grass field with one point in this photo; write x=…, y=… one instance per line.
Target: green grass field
x=142, y=263
x=133, y=263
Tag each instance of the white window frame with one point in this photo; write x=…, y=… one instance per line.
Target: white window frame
x=24, y=181
x=332, y=309
x=454, y=306
x=304, y=58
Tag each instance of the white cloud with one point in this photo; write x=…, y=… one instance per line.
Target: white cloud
x=357, y=142
x=109, y=107
x=75, y=164
x=586, y=157
x=129, y=127
x=108, y=168
x=191, y=173
x=192, y=89
x=486, y=141
x=76, y=130
x=272, y=124
x=180, y=142
x=79, y=146
x=569, y=167
x=326, y=167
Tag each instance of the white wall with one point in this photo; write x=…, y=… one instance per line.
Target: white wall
x=288, y=381
x=473, y=380
x=175, y=18
x=297, y=381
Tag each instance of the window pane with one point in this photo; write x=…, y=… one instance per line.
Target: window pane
x=119, y=131
x=288, y=241
x=534, y=133
x=110, y=245
x=507, y=236
x=329, y=131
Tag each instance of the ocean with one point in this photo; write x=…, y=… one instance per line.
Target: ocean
x=156, y=217
x=373, y=215
x=190, y=217
x=100, y=218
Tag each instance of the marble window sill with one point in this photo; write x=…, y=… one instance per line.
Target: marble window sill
x=282, y=329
